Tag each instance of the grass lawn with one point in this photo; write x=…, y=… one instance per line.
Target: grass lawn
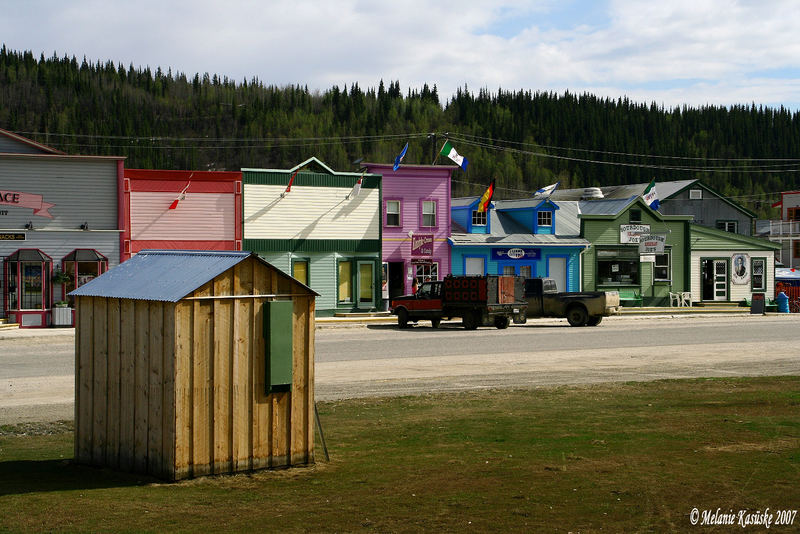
x=634, y=457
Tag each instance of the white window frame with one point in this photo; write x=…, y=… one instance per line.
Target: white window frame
x=668, y=266
x=397, y=213
x=544, y=218
x=425, y=205
x=479, y=218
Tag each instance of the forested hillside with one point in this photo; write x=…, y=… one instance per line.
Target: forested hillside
x=523, y=139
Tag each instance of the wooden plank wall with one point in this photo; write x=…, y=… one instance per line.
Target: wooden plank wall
x=177, y=390
x=124, y=385
x=224, y=420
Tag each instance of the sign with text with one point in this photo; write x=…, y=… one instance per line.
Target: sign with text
x=516, y=253
x=632, y=233
x=26, y=200
x=16, y=236
x=422, y=245
x=652, y=243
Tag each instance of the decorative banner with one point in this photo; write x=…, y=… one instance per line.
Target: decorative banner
x=740, y=269
x=516, y=253
x=652, y=244
x=632, y=233
x=422, y=245
x=26, y=200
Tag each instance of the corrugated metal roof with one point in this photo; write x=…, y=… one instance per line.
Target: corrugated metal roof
x=161, y=275
x=462, y=201
x=605, y=207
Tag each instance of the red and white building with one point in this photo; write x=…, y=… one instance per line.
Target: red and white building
x=185, y=210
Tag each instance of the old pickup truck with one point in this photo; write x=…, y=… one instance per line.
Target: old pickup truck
x=477, y=300
x=580, y=309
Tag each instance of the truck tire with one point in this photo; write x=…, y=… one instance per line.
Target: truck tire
x=577, y=315
x=435, y=322
x=402, y=318
x=501, y=322
x=471, y=320
x=594, y=321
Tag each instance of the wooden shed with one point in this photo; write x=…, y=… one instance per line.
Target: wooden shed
x=192, y=363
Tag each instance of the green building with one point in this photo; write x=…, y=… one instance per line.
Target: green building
x=320, y=226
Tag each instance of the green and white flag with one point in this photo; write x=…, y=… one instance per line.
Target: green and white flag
x=450, y=152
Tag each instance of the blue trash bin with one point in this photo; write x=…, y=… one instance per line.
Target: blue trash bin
x=783, y=302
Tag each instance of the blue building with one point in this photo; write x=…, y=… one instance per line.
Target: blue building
x=531, y=237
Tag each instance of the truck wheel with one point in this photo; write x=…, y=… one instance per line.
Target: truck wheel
x=435, y=322
x=470, y=320
x=594, y=321
x=402, y=318
x=501, y=321
x=577, y=316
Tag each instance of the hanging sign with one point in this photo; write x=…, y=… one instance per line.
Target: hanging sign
x=516, y=253
x=652, y=243
x=632, y=233
x=422, y=245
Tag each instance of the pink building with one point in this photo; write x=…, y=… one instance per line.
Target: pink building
x=415, y=215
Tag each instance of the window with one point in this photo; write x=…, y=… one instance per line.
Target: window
x=793, y=214
x=345, y=281
x=300, y=271
x=478, y=218
x=28, y=280
x=757, y=279
x=635, y=216
x=661, y=270
x=695, y=194
x=392, y=213
x=618, y=266
x=82, y=265
x=426, y=272
x=525, y=270
x=545, y=218
x=429, y=213
x=728, y=226
x=509, y=270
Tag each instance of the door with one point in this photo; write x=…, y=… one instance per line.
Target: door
x=720, y=280
x=557, y=270
x=365, y=283
x=474, y=266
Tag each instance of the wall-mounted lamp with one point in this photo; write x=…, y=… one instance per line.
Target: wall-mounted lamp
x=29, y=225
x=85, y=226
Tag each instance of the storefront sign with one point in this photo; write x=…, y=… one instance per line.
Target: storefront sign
x=740, y=271
x=516, y=253
x=422, y=245
x=26, y=200
x=652, y=244
x=647, y=258
x=632, y=233
x=13, y=237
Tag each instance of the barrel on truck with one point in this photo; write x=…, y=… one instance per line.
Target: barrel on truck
x=477, y=300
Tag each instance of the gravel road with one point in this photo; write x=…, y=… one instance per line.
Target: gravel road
x=37, y=383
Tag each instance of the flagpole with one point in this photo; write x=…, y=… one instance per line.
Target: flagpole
x=438, y=152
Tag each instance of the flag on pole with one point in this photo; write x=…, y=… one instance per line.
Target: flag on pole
x=399, y=158
x=483, y=205
x=547, y=191
x=181, y=196
x=357, y=187
x=450, y=152
x=650, y=196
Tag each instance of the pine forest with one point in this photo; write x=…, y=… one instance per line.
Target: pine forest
x=522, y=139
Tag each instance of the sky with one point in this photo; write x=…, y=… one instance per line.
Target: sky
x=674, y=53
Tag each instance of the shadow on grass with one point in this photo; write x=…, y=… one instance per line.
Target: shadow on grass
x=36, y=476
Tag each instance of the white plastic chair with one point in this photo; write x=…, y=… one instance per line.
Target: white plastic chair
x=675, y=300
